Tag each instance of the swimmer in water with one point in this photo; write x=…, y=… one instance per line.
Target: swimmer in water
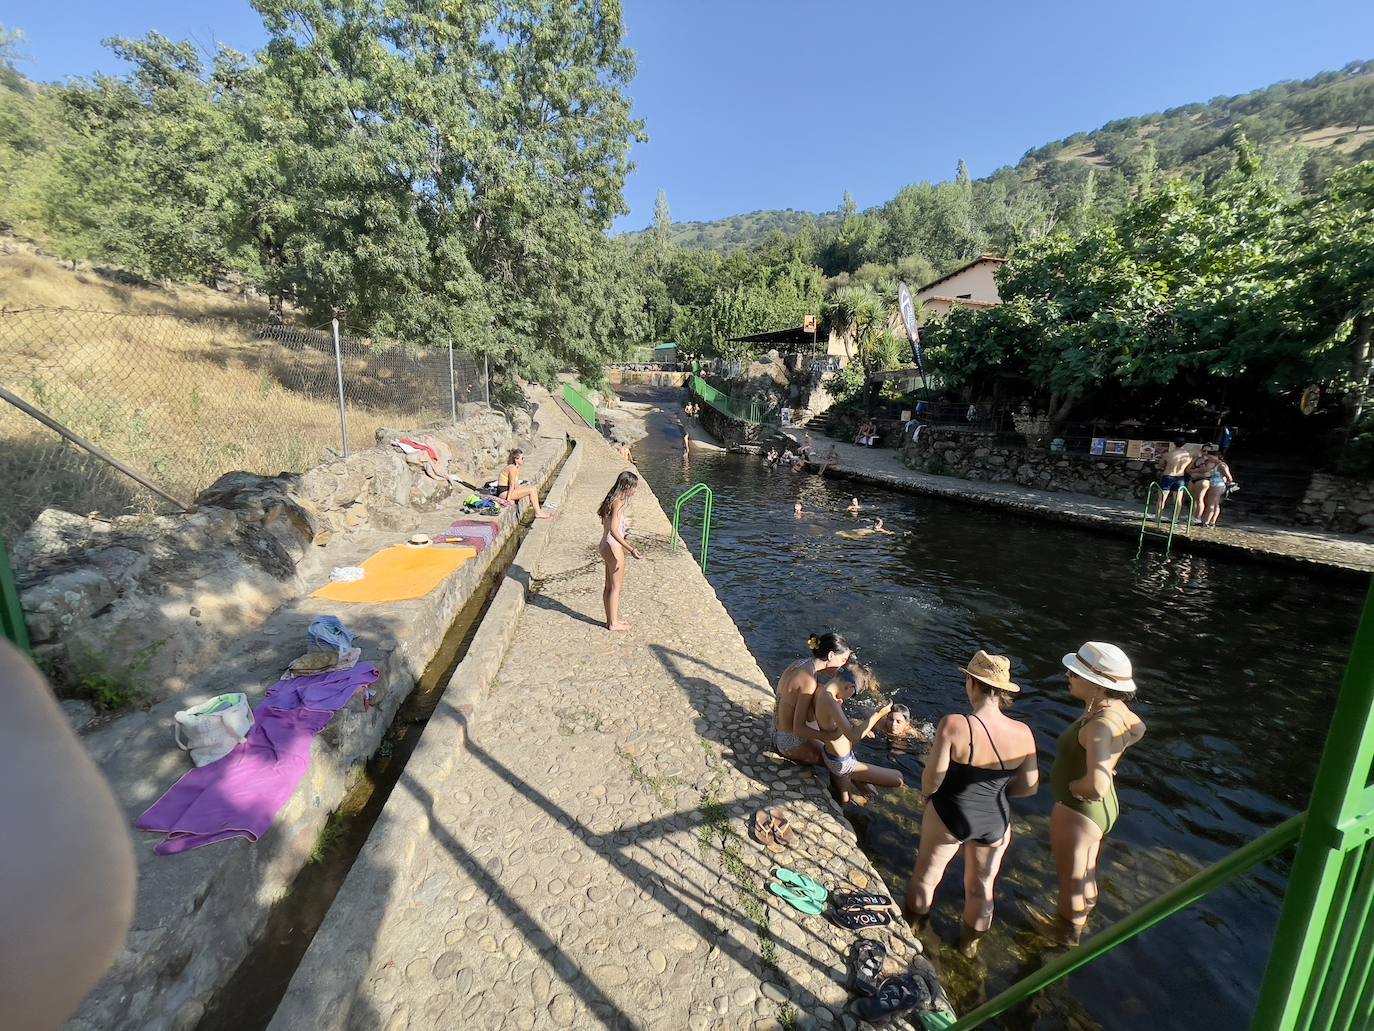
x=865, y=531
x=854, y=506
x=898, y=725
x=797, y=510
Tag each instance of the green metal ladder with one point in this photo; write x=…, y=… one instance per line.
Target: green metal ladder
x=12, y=623
x=1320, y=974
x=1158, y=530
x=686, y=496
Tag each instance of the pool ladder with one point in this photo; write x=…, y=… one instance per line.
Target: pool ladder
x=686, y=496
x=1158, y=530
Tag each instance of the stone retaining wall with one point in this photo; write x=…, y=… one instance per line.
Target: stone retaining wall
x=1340, y=503
x=978, y=457
x=147, y=603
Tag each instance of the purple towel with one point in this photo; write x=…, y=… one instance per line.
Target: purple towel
x=241, y=794
x=476, y=533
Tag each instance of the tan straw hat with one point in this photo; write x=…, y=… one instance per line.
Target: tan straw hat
x=1105, y=665
x=993, y=670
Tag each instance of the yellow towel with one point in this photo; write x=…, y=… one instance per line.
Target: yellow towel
x=399, y=573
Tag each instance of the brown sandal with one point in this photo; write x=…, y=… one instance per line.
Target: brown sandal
x=764, y=831
x=782, y=829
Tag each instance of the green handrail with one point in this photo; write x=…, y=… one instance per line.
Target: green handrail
x=580, y=403
x=12, y=623
x=1318, y=976
x=744, y=411
x=1239, y=862
x=682, y=499
x=1145, y=530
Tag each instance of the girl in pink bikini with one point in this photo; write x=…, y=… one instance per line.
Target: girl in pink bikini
x=613, y=546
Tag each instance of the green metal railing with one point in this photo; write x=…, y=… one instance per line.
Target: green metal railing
x=1244, y=859
x=580, y=403
x=735, y=408
x=1320, y=975
x=12, y=623
x=1158, y=531
x=686, y=496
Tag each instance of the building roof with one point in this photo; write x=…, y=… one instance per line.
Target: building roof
x=963, y=268
x=796, y=335
x=664, y=347
x=967, y=302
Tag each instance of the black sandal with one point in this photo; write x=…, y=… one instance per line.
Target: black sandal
x=897, y=996
x=858, y=919
x=866, y=959
x=860, y=901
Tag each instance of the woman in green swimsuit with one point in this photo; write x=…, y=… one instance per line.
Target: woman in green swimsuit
x=1083, y=776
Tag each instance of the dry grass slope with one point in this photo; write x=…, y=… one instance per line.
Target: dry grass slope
x=182, y=383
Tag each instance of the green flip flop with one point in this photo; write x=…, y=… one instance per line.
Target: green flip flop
x=811, y=888
x=801, y=903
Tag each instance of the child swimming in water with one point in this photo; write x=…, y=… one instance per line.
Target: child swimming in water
x=865, y=531
x=797, y=509
x=854, y=506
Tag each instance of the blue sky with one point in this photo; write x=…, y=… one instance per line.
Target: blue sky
x=771, y=104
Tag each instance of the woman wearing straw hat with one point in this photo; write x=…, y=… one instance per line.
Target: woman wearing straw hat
x=1083, y=776
x=977, y=759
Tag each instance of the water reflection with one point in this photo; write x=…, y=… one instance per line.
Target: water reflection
x=1238, y=666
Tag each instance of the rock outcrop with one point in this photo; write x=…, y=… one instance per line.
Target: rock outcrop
x=135, y=606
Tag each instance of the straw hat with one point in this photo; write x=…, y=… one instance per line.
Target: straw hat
x=993, y=670
x=1105, y=665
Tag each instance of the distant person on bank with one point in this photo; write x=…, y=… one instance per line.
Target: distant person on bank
x=1172, y=479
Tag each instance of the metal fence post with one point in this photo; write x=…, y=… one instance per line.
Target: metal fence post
x=452, y=389
x=338, y=366
x=486, y=380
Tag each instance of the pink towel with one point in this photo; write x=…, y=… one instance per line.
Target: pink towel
x=240, y=795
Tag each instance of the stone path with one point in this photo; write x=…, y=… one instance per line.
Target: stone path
x=1311, y=548
x=587, y=861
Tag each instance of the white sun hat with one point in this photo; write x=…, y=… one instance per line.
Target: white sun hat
x=1105, y=665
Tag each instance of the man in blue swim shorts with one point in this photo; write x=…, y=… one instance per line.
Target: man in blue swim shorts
x=1172, y=482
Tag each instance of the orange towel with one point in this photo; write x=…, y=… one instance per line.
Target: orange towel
x=399, y=573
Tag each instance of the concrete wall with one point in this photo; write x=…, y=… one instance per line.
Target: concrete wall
x=652, y=379
x=1340, y=503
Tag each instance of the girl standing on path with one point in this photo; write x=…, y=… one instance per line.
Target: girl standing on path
x=1083, y=778
x=977, y=760
x=510, y=487
x=613, y=544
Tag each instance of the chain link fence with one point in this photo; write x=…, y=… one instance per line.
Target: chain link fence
x=183, y=401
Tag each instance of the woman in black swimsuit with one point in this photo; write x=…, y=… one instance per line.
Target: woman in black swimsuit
x=976, y=761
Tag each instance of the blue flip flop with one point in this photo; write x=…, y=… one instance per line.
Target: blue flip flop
x=807, y=886
x=798, y=901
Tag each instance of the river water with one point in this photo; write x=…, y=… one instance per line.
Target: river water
x=1239, y=667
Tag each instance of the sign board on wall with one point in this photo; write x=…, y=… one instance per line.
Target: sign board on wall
x=1099, y=445
x=1115, y=449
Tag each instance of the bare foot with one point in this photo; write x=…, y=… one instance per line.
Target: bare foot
x=619, y=627
x=546, y=515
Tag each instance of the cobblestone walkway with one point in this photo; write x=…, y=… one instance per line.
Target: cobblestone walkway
x=1257, y=540
x=586, y=862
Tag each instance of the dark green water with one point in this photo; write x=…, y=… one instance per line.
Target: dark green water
x=1238, y=664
